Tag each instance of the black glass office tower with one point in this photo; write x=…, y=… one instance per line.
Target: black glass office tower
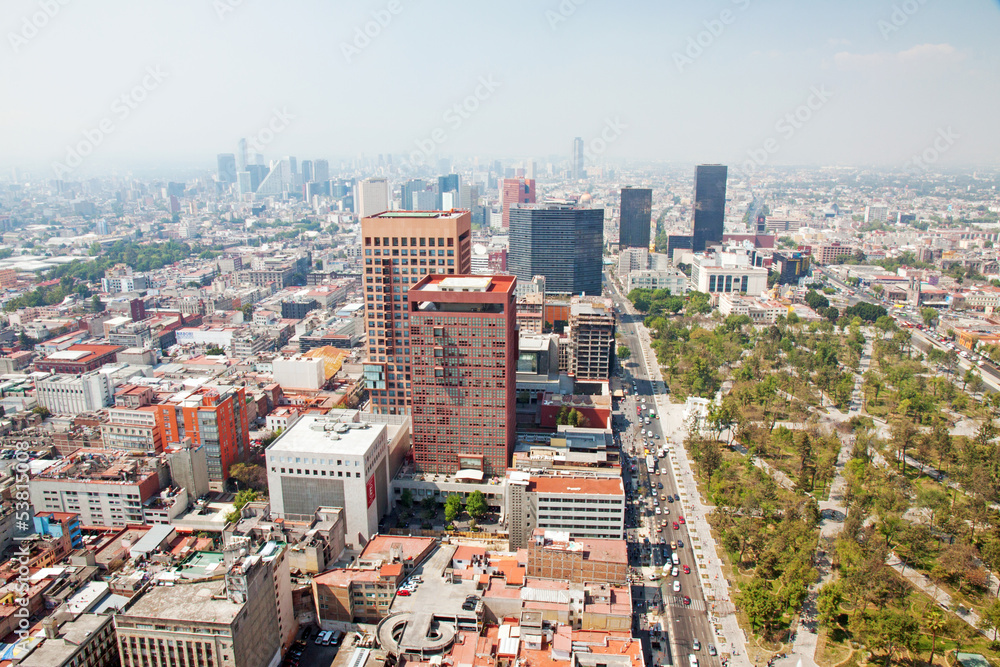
x=709, y=205
x=636, y=214
x=560, y=242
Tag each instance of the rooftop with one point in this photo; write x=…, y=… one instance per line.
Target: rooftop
x=323, y=434
x=203, y=602
x=582, y=485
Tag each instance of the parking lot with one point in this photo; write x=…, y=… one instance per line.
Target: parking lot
x=320, y=656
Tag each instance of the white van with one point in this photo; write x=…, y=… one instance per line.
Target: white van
x=692, y=660
x=674, y=559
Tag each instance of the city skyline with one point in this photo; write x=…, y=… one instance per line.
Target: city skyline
x=854, y=84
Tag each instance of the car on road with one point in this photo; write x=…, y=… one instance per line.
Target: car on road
x=403, y=592
x=658, y=512
x=673, y=572
x=696, y=645
x=677, y=587
x=670, y=499
x=676, y=527
x=711, y=650
x=686, y=600
x=687, y=570
x=659, y=485
x=680, y=520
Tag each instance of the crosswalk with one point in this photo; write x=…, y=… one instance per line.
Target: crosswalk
x=678, y=601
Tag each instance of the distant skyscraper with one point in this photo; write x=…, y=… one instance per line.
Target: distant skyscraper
x=709, y=205
x=516, y=191
x=241, y=155
x=321, y=171
x=636, y=215
x=463, y=340
x=406, y=193
x=449, y=183
x=577, y=158
x=560, y=242
x=419, y=244
x=307, y=171
x=276, y=180
x=468, y=196
x=292, y=164
x=227, y=168
x=372, y=197
x=423, y=200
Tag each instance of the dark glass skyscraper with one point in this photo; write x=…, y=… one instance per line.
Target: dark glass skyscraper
x=560, y=242
x=449, y=183
x=636, y=214
x=709, y=205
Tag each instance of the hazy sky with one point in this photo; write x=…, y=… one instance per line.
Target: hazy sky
x=886, y=79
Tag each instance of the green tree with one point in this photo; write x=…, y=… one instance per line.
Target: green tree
x=476, y=505
x=624, y=352
x=933, y=622
x=250, y=475
x=759, y=603
x=989, y=618
x=406, y=498
x=886, y=630
x=828, y=602
x=242, y=498
x=928, y=315
x=452, y=507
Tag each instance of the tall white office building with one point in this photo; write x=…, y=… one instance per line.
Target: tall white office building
x=372, y=197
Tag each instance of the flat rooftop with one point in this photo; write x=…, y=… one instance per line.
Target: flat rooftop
x=320, y=434
x=582, y=485
x=187, y=602
x=419, y=214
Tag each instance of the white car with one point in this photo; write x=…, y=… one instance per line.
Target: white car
x=677, y=587
x=674, y=572
x=644, y=401
x=658, y=512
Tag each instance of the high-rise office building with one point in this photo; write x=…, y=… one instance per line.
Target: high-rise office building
x=558, y=241
x=399, y=248
x=515, y=191
x=463, y=340
x=577, y=167
x=307, y=171
x=241, y=155
x=636, y=215
x=407, y=190
x=227, y=168
x=321, y=171
x=372, y=198
x=709, y=205
x=449, y=183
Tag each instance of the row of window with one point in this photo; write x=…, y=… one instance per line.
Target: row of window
x=315, y=473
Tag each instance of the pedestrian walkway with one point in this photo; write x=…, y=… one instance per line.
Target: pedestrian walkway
x=934, y=592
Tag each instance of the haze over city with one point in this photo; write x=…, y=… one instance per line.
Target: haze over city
x=686, y=82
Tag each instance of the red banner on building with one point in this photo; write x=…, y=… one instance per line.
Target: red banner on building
x=370, y=490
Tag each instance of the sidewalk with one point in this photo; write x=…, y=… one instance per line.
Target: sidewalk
x=939, y=596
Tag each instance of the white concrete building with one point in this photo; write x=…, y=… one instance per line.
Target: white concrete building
x=204, y=335
x=331, y=461
x=760, y=311
x=299, y=373
x=727, y=272
x=372, y=197
x=72, y=394
x=583, y=506
x=674, y=280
